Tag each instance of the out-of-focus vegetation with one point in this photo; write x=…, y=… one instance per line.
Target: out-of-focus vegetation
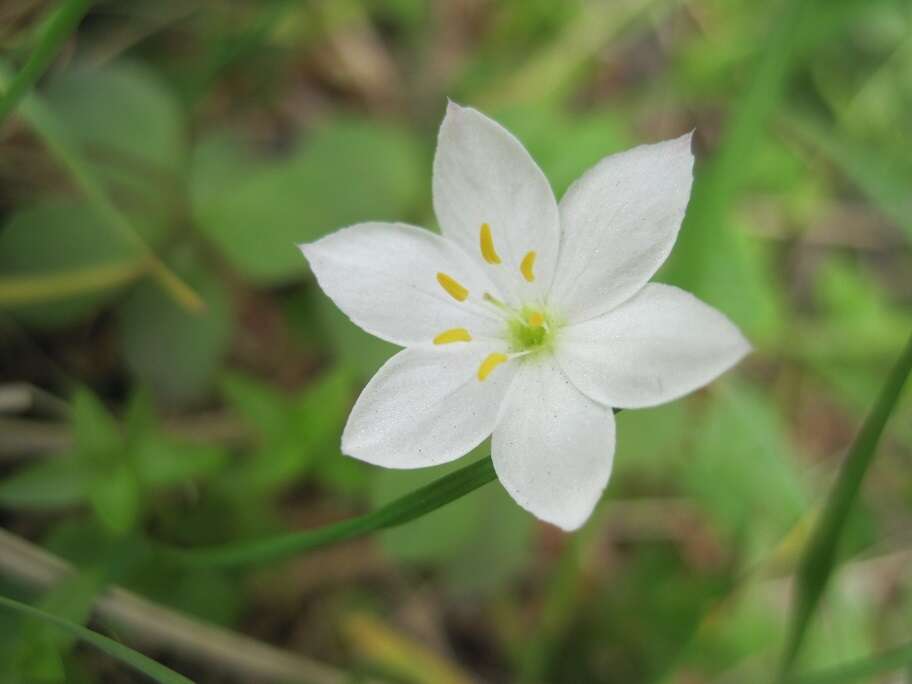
x=177, y=150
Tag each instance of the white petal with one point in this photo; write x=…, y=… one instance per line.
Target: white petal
x=384, y=277
x=618, y=225
x=482, y=174
x=657, y=346
x=554, y=447
x=426, y=406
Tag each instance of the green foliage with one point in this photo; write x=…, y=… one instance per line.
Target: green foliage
x=108, y=467
x=819, y=557
x=175, y=352
x=38, y=647
x=59, y=235
x=134, y=659
x=256, y=213
x=478, y=542
x=167, y=160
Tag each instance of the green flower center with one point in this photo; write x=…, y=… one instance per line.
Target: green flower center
x=531, y=331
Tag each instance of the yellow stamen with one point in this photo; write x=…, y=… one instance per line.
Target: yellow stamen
x=453, y=335
x=490, y=363
x=454, y=289
x=528, y=263
x=535, y=319
x=487, y=245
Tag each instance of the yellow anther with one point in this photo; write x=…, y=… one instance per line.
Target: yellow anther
x=528, y=263
x=535, y=319
x=454, y=289
x=487, y=245
x=453, y=335
x=490, y=363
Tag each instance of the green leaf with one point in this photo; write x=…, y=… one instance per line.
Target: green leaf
x=59, y=235
x=130, y=131
x=819, y=556
x=860, y=670
x=95, y=432
x=121, y=112
x=296, y=432
x=172, y=350
x=128, y=656
x=342, y=173
x=116, y=498
x=56, y=483
x=163, y=462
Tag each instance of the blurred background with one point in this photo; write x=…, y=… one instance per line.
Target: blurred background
x=178, y=149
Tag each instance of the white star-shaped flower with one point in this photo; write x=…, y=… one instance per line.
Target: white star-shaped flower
x=526, y=319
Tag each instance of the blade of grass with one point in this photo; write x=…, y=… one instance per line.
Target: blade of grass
x=31, y=289
x=52, y=34
x=819, y=557
x=128, y=656
x=402, y=510
x=859, y=670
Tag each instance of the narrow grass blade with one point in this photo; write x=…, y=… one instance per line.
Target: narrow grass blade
x=128, y=656
x=52, y=35
x=402, y=510
x=859, y=670
x=819, y=557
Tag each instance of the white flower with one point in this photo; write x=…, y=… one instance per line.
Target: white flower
x=527, y=319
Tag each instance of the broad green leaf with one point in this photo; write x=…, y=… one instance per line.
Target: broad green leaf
x=169, y=349
x=121, y=109
x=130, y=128
x=128, y=656
x=340, y=173
x=59, y=235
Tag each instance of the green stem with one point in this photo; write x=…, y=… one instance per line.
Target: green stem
x=819, y=557
x=402, y=510
x=54, y=32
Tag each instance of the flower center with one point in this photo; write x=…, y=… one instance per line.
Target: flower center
x=530, y=331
